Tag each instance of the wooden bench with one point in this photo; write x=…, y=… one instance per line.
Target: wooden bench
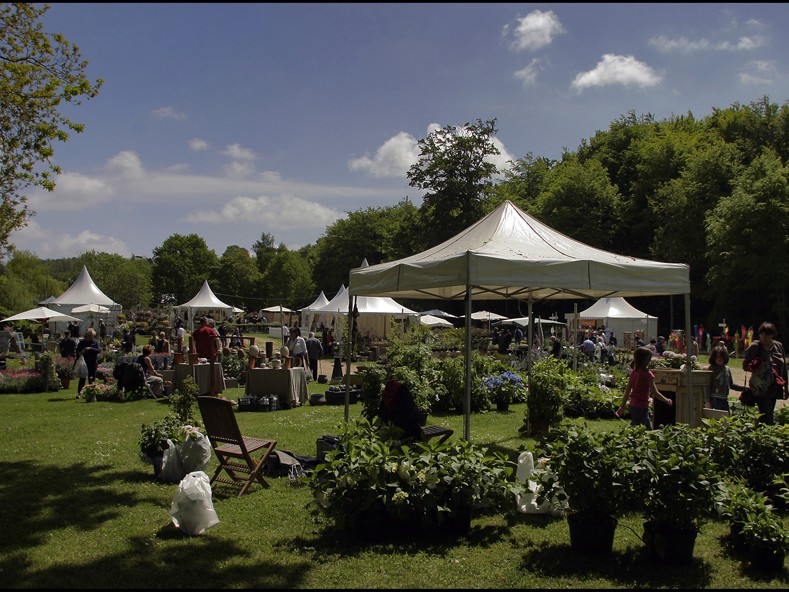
x=434, y=431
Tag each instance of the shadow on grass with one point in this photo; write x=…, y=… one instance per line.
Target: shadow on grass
x=633, y=567
x=39, y=501
x=741, y=554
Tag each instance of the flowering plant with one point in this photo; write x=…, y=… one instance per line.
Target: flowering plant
x=64, y=368
x=98, y=391
x=670, y=359
x=506, y=387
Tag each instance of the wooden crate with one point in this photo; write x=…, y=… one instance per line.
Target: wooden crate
x=689, y=402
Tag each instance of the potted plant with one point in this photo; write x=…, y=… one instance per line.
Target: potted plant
x=65, y=370
x=503, y=388
x=376, y=486
x=679, y=484
x=545, y=395
x=594, y=469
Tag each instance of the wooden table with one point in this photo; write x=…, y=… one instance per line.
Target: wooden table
x=201, y=373
x=289, y=385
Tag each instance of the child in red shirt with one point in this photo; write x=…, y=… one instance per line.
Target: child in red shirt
x=639, y=386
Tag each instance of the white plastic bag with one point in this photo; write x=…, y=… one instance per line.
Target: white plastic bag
x=192, y=510
x=81, y=367
x=195, y=453
x=526, y=502
x=172, y=469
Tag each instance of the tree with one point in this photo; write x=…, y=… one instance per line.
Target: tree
x=39, y=71
x=126, y=281
x=288, y=280
x=523, y=183
x=180, y=266
x=377, y=234
x=26, y=282
x=579, y=200
x=747, y=239
x=238, y=276
x=265, y=251
x=454, y=169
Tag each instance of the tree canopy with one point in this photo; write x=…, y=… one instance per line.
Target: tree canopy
x=38, y=71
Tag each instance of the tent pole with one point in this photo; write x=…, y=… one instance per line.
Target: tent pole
x=348, y=349
x=692, y=421
x=530, y=338
x=467, y=397
x=574, y=336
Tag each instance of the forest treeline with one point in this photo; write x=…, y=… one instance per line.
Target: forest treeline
x=710, y=192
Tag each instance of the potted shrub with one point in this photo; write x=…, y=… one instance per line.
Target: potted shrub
x=65, y=370
x=375, y=486
x=594, y=469
x=679, y=484
x=503, y=388
x=545, y=395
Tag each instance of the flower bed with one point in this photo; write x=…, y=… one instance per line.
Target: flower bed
x=22, y=381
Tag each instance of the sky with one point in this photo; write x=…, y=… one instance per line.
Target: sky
x=233, y=120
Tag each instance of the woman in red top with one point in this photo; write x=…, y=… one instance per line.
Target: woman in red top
x=639, y=386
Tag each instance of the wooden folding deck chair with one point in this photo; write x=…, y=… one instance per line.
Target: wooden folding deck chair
x=233, y=451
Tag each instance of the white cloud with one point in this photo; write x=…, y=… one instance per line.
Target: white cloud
x=239, y=170
x=125, y=164
x=49, y=245
x=616, y=69
x=528, y=75
x=198, y=144
x=392, y=159
x=237, y=152
x=284, y=211
x=168, y=113
x=72, y=191
x=398, y=153
x=733, y=37
x=534, y=31
x=760, y=72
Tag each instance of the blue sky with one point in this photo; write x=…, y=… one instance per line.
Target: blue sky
x=231, y=120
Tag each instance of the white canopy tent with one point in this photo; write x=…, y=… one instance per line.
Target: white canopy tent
x=619, y=316
x=431, y=321
x=83, y=291
x=203, y=303
x=374, y=312
x=509, y=254
x=310, y=317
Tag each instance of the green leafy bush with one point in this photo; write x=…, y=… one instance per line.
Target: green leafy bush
x=546, y=394
x=422, y=483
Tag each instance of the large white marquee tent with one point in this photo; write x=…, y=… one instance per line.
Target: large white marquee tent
x=509, y=254
x=82, y=292
x=619, y=316
x=204, y=302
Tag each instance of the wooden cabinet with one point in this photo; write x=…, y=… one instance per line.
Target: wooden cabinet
x=688, y=402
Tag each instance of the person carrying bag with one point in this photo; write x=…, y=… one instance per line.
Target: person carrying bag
x=766, y=361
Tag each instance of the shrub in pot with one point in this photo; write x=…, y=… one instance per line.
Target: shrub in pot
x=595, y=470
x=680, y=488
x=546, y=394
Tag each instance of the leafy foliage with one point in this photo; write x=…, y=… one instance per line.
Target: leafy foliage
x=40, y=70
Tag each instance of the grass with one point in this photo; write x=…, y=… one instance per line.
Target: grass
x=78, y=509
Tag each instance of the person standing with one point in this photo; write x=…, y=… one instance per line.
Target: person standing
x=206, y=340
x=299, y=349
x=102, y=330
x=640, y=385
x=89, y=347
x=721, y=380
x=67, y=346
x=163, y=345
x=314, y=353
x=766, y=361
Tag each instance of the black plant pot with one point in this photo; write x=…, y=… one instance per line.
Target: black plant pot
x=502, y=406
x=592, y=533
x=667, y=543
x=765, y=559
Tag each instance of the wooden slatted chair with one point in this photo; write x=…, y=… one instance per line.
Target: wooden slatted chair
x=233, y=451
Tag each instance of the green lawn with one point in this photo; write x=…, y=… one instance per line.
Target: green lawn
x=78, y=509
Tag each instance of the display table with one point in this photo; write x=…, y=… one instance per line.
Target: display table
x=289, y=385
x=688, y=402
x=201, y=373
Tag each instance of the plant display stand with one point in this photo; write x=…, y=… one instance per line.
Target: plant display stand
x=688, y=402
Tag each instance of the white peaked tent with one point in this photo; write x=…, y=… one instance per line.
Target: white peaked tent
x=203, y=303
x=619, y=316
x=431, y=321
x=374, y=312
x=308, y=315
x=84, y=291
x=511, y=255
